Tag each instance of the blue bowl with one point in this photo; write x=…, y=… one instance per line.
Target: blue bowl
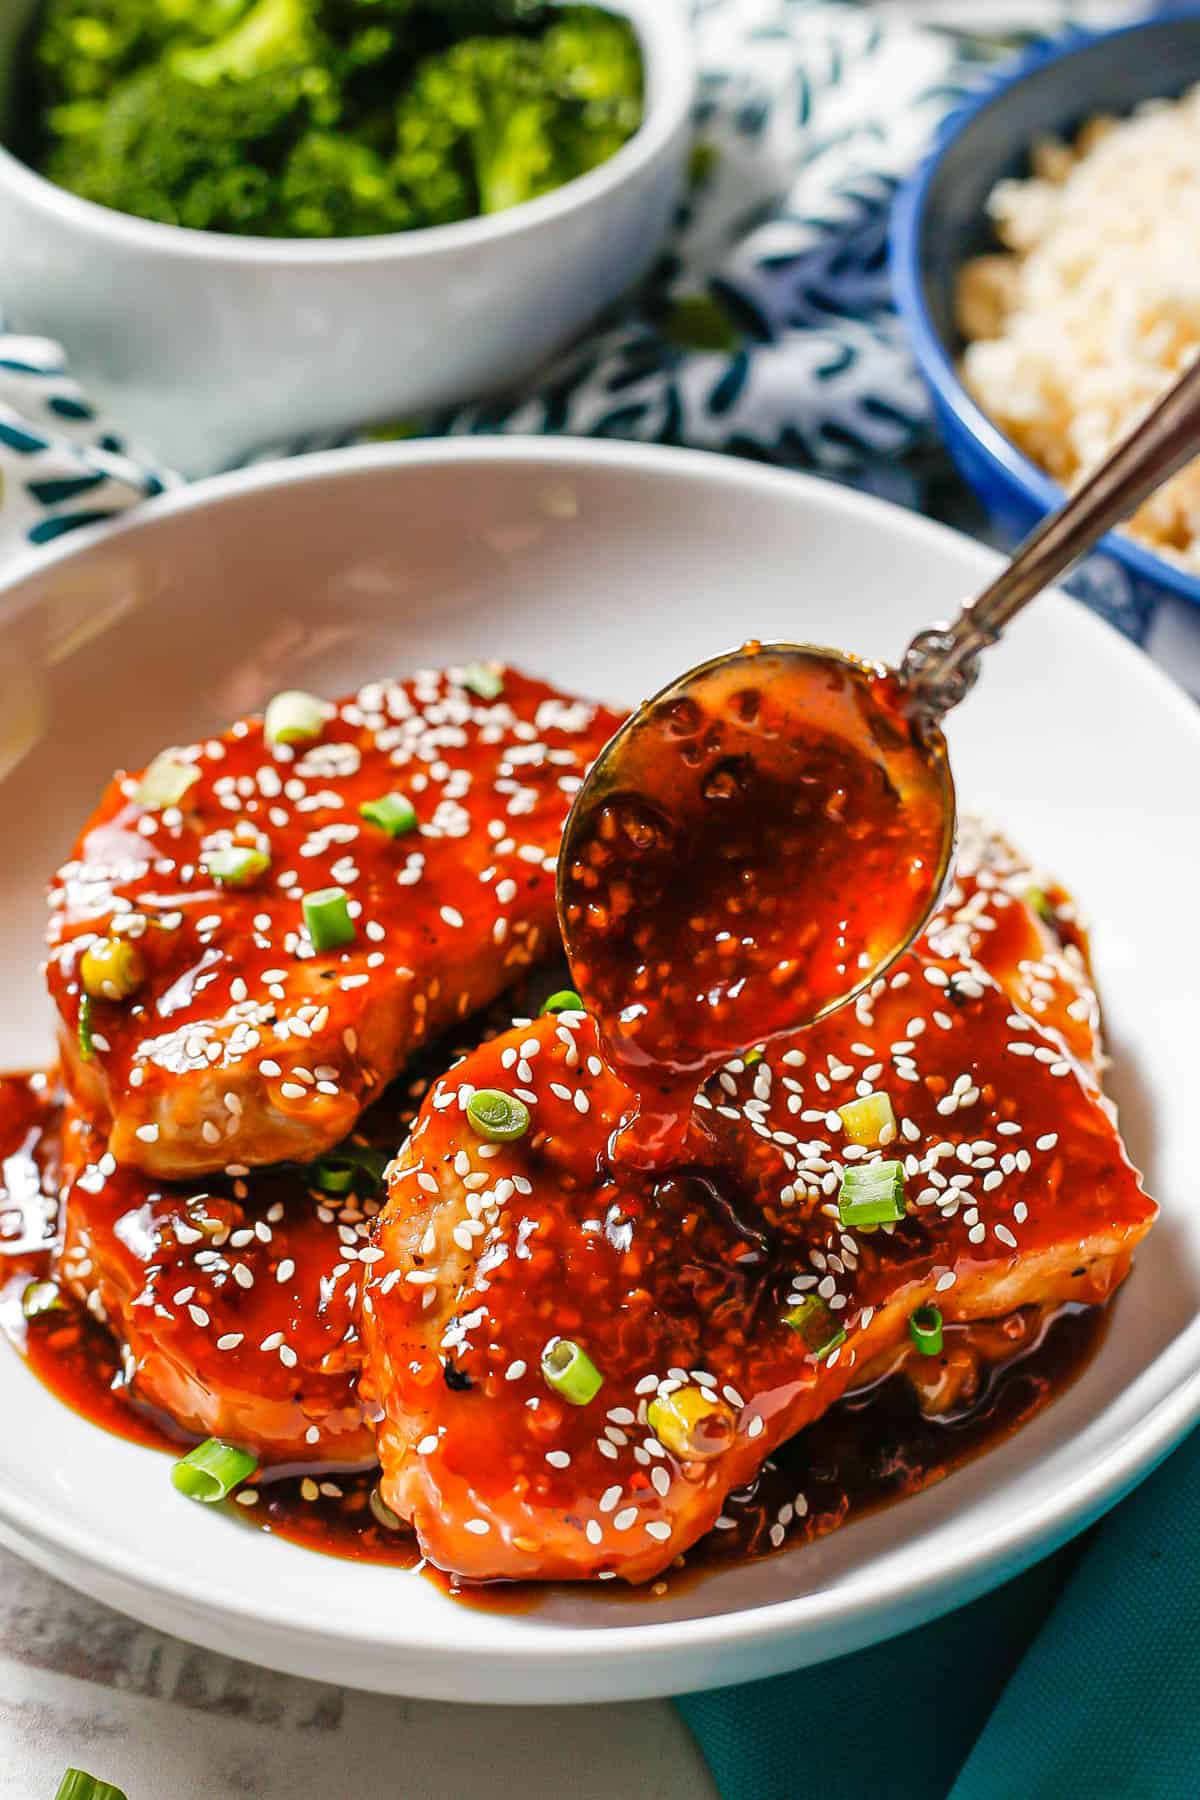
x=939, y=221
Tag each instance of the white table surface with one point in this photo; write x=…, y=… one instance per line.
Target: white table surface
x=82, y=1685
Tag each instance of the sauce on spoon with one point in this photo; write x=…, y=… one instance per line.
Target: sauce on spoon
x=758, y=844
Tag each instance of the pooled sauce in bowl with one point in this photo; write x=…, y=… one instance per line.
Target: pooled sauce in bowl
x=771, y=833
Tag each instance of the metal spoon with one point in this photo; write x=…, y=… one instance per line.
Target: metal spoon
x=683, y=841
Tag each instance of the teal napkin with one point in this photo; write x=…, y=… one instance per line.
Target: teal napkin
x=1078, y=1681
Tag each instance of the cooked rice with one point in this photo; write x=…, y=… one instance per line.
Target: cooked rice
x=1093, y=307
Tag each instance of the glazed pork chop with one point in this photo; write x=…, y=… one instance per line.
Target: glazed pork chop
x=235, y=1299
x=577, y=1365
x=235, y=1302
x=255, y=933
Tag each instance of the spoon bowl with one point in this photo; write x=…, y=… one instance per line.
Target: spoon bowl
x=758, y=844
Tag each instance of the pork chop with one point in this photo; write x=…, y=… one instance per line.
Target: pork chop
x=723, y=1308
x=245, y=1038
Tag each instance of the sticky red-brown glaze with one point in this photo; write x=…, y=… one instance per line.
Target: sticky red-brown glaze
x=236, y=1304
x=1019, y=1194
x=243, y=1046
x=235, y=1300
x=766, y=842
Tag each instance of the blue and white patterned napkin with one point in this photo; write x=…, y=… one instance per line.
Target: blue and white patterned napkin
x=767, y=330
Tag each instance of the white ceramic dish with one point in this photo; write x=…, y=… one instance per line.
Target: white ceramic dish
x=207, y=346
x=610, y=568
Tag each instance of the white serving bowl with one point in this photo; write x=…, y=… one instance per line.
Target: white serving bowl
x=608, y=568
x=204, y=346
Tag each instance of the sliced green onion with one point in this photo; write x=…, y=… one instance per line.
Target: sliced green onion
x=41, y=1297
x=1040, y=901
x=566, y=1000
x=338, y=1173
x=925, y=1329
x=691, y=1423
x=751, y=1057
x=813, y=1322
x=111, y=969
x=484, y=679
x=334, y=1176
x=393, y=813
x=570, y=1371
x=870, y=1120
x=212, y=1470
x=382, y=1513
x=872, y=1194
x=87, y=1048
x=327, y=915
x=293, y=718
x=238, y=866
x=165, y=782
x=76, y=1785
x=500, y=1117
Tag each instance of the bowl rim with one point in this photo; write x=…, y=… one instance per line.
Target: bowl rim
x=669, y=62
x=1028, y=1533
x=906, y=231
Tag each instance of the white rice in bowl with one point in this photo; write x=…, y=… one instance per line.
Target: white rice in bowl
x=1092, y=308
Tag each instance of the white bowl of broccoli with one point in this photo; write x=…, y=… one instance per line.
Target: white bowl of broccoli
x=252, y=220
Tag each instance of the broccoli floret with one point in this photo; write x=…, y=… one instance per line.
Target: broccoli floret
x=521, y=116
x=274, y=34
x=335, y=186
x=165, y=149
x=481, y=112
x=82, y=47
x=594, y=59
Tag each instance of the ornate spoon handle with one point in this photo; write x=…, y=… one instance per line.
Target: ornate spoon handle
x=940, y=665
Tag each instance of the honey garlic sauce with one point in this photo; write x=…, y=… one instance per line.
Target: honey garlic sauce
x=774, y=831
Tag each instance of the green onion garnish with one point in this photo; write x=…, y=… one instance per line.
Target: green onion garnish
x=293, y=718
x=338, y=1173
x=41, y=1297
x=872, y=1194
x=334, y=1176
x=87, y=1048
x=566, y=1000
x=165, y=782
x=570, y=1371
x=1040, y=901
x=484, y=679
x=76, y=1785
x=393, y=813
x=212, y=1470
x=925, y=1329
x=500, y=1117
x=111, y=969
x=382, y=1513
x=812, y=1320
x=327, y=915
x=238, y=866
x=751, y=1057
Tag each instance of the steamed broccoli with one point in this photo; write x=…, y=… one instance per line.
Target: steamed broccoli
x=523, y=115
x=82, y=47
x=327, y=118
